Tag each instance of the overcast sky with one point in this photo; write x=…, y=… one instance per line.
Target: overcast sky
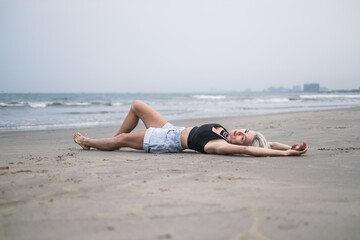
x=177, y=46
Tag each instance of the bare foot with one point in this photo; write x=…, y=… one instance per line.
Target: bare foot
x=79, y=139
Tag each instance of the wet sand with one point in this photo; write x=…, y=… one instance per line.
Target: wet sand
x=51, y=189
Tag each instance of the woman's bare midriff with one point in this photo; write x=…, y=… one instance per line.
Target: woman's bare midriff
x=184, y=137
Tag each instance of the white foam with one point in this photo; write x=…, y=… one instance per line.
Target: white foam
x=212, y=97
x=15, y=104
x=269, y=100
x=56, y=126
x=117, y=104
x=320, y=96
x=37, y=104
x=78, y=104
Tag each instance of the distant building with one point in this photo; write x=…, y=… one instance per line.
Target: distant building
x=312, y=87
x=276, y=89
x=297, y=88
x=324, y=89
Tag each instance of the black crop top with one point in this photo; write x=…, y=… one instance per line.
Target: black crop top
x=200, y=136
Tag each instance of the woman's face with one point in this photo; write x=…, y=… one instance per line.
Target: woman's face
x=241, y=136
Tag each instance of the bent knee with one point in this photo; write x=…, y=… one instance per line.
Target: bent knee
x=138, y=104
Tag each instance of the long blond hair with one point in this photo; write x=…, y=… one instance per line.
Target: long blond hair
x=260, y=141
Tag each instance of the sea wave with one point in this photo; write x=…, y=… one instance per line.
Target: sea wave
x=74, y=104
x=24, y=104
x=57, y=104
x=329, y=96
x=267, y=100
x=81, y=124
x=211, y=97
x=90, y=113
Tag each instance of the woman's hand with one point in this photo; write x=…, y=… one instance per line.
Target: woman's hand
x=299, y=148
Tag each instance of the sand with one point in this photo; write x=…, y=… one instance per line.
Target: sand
x=51, y=189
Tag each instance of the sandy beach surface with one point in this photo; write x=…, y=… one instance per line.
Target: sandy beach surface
x=52, y=189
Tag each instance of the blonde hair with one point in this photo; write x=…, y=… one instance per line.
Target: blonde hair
x=260, y=141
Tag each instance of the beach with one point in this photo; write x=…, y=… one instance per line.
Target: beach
x=52, y=189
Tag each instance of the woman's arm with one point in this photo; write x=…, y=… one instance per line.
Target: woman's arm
x=281, y=146
x=220, y=147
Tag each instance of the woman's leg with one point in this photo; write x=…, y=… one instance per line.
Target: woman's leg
x=133, y=140
x=140, y=110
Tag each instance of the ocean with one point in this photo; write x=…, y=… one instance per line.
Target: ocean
x=22, y=112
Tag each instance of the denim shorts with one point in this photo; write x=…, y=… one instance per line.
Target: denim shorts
x=163, y=140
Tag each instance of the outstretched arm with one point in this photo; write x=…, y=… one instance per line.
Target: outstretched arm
x=281, y=146
x=220, y=147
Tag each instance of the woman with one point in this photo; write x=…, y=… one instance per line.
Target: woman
x=161, y=136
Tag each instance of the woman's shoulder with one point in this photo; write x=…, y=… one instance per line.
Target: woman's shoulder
x=214, y=146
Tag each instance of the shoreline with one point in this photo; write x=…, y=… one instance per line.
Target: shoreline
x=204, y=119
x=52, y=189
